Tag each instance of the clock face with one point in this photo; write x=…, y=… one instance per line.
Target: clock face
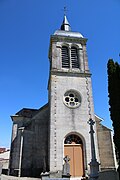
x=72, y=99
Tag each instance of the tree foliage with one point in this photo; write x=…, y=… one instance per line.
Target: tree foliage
x=114, y=102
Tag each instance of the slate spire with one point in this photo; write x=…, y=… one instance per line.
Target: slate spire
x=65, y=24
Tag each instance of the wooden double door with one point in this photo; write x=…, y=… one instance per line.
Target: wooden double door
x=75, y=153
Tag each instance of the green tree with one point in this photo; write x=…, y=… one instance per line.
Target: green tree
x=114, y=102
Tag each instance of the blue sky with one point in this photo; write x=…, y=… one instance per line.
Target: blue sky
x=25, y=29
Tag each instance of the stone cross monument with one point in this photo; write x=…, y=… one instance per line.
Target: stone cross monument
x=94, y=165
x=66, y=167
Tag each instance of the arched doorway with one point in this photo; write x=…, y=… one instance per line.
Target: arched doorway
x=73, y=147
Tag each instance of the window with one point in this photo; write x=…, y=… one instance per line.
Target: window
x=65, y=57
x=74, y=57
x=73, y=139
x=72, y=99
x=70, y=57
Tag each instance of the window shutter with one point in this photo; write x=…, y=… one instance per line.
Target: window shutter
x=74, y=58
x=65, y=57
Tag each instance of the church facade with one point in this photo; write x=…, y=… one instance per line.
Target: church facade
x=41, y=138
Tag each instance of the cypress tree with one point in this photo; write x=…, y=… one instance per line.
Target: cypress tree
x=114, y=102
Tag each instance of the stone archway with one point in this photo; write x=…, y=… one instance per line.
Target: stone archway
x=73, y=147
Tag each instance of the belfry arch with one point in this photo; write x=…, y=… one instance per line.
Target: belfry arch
x=74, y=148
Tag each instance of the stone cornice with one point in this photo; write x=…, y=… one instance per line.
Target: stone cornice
x=70, y=73
x=57, y=38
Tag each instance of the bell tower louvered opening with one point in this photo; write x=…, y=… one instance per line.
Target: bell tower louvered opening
x=74, y=57
x=65, y=57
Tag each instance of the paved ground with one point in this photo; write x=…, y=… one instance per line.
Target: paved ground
x=4, y=177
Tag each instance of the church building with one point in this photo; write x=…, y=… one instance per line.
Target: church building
x=41, y=138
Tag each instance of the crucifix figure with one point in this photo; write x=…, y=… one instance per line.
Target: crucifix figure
x=66, y=159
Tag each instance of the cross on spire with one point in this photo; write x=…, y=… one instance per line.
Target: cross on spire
x=65, y=10
x=65, y=24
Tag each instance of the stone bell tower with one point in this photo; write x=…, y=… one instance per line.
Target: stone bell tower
x=71, y=102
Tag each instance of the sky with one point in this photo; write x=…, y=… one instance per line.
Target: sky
x=25, y=29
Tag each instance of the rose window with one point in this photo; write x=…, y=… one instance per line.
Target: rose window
x=72, y=99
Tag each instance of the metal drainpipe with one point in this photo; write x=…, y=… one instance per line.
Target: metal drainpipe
x=21, y=150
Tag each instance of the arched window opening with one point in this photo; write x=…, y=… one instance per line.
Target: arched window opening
x=74, y=57
x=65, y=57
x=73, y=139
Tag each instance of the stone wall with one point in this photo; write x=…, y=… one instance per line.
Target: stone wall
x=34, y=147
x=65, y=120
x=105, y=145
x=40, y=151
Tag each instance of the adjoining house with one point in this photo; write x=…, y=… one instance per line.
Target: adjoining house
x=4, y=160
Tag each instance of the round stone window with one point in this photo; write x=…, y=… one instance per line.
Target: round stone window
x=72, y=99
